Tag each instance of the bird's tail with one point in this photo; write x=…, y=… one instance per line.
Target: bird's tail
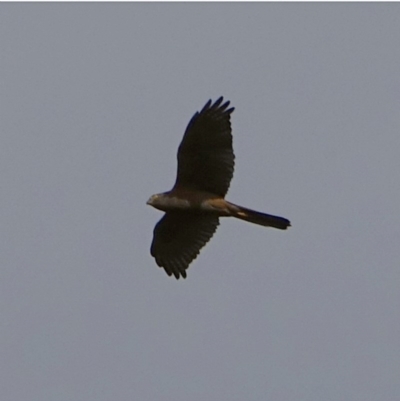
x=263, y=219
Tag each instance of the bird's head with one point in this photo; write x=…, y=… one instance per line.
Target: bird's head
x=166, y=202
x=152, y=201
x=158, y=201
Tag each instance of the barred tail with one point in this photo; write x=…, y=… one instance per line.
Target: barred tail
x=262, y=219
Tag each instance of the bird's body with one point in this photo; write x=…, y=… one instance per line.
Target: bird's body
x=197, y=200
x=208, y=203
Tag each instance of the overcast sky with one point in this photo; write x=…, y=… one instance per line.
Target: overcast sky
x=94, y=102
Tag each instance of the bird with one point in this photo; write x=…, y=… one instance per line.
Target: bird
x=197, y=200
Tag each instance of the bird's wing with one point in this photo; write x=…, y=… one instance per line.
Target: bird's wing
x=205, y=155
x=178, y=238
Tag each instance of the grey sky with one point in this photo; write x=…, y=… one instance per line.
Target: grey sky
x=94, y=102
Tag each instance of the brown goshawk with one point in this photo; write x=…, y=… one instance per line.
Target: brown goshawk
x=196, y=202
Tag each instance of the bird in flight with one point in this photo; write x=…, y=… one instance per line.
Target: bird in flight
x=197, y=200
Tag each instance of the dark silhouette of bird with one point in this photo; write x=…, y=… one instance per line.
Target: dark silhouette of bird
x=196, y=202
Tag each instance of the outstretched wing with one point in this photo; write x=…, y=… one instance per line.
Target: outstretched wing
x=178, y=238
x=205, y=155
